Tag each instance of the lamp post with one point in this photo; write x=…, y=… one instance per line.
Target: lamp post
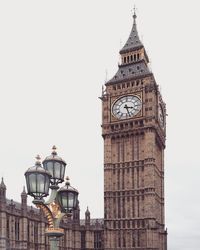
x=62, y=201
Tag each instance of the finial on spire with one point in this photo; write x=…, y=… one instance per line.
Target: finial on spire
x=134, y=14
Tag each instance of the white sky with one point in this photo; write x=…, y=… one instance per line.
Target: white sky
x=53, y=59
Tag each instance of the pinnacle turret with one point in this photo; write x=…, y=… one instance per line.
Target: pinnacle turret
x=2, y=185
x=2, y=191
x=23, y=193
x=87, y=212
x=87, y=217
x=24, y=200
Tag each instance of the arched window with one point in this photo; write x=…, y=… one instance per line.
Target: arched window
x=35, y=232
x=8, y=227
x=17, y=228
x=28, y=232
x=119, y=210
x=131, y=58
x=133, y=241
x=124, y=210
x=119, y=240
x=124, y=242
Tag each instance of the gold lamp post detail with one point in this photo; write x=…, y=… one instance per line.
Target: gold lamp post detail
x=62, y=201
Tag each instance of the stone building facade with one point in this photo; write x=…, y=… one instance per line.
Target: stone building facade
x=23, y=227
x=133, y=130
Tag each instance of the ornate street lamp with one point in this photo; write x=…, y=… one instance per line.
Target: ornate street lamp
x=62, y=200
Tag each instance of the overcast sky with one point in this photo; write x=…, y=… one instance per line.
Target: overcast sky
x=53, y=61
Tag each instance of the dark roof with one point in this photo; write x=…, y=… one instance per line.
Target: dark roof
x=93, y=222
x=17, y=205
x=130, y=71
x=137, y=68
x=133, y=41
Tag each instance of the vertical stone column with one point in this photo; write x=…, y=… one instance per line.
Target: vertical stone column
x=69, y=239
x=77, y=239
x=3, y=237
x=41, y=235
x=106, y=240
x=23, y=233
x=23, y=221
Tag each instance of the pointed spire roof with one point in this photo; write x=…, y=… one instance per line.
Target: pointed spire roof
x=87, y=211
x=24, y=191
x=134, y=64
x=2, y=185
x=133, y=41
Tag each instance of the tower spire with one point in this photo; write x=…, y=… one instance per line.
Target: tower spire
x=134, y=15
x=24, y=198
x=133, y=41
x=134, y=59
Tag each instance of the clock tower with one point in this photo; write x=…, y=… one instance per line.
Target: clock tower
x=133, y=129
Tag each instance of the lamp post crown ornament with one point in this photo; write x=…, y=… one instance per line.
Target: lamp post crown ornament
x=62, y=201
x=67, y=180
x=38, y=160
x=54, y=148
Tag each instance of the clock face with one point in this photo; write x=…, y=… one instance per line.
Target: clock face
x=126, y=107
x=161, y=116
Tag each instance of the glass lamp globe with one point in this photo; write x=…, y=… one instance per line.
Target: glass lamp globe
x=67, y=198
x=37, y=181
x=56, y=166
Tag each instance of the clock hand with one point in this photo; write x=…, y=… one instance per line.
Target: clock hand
x=126, y=107
x=129, y=113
